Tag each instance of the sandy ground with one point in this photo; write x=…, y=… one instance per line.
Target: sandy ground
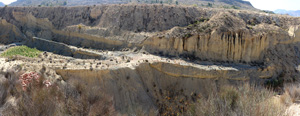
x=294, y=109
x=113, y=60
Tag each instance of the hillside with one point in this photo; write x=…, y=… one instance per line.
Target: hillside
x=289, y=12
x=141, y=59
x=229, y=4
x=161, y=29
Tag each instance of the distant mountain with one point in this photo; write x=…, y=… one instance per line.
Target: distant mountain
x=229, y=4
x=289, y=12
x=1, y=4
x=40, y=3
x=235, y=4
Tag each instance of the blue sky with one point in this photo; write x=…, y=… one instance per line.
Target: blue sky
x=260, y=4
x=7, y=1
x=276, y=4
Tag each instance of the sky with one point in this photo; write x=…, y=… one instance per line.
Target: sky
x=260, y=4
x=276, y=4
x=7, y=1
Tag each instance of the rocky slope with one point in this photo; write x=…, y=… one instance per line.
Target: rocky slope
x=134, y=79
x=205, y=34
x=201, y=34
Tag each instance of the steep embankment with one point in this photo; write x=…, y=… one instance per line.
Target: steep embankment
x=215, y=35
x=149, y=85
x=98, y=27
x=235, y=36
x=257, y=47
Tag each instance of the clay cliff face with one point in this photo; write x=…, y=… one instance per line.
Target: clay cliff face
x=100, y=24
x=214, y=35
x=10, y=33
x=149, y=85
x=223, y=38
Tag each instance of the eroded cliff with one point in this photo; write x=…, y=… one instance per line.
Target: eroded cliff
x=205, y=34
x=257, y=47
x=213, y=35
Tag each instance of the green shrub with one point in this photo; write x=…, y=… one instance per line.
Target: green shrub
x=188, y=35
x=234, y=7
x=209, y=4
x=21, y=50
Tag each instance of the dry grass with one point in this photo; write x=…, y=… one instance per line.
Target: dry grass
x=291, y=94
x=57, y=100
x=79, y=98
x=243, y=100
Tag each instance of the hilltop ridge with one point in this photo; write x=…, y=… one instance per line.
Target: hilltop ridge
x=229, y=4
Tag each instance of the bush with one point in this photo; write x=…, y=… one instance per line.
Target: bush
x=209, y=4
x=291, y=94
x=267, y=11
x=243, y=100
x=21, y=50
x=58, y=99
x=234, y=7
x=79, y=27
